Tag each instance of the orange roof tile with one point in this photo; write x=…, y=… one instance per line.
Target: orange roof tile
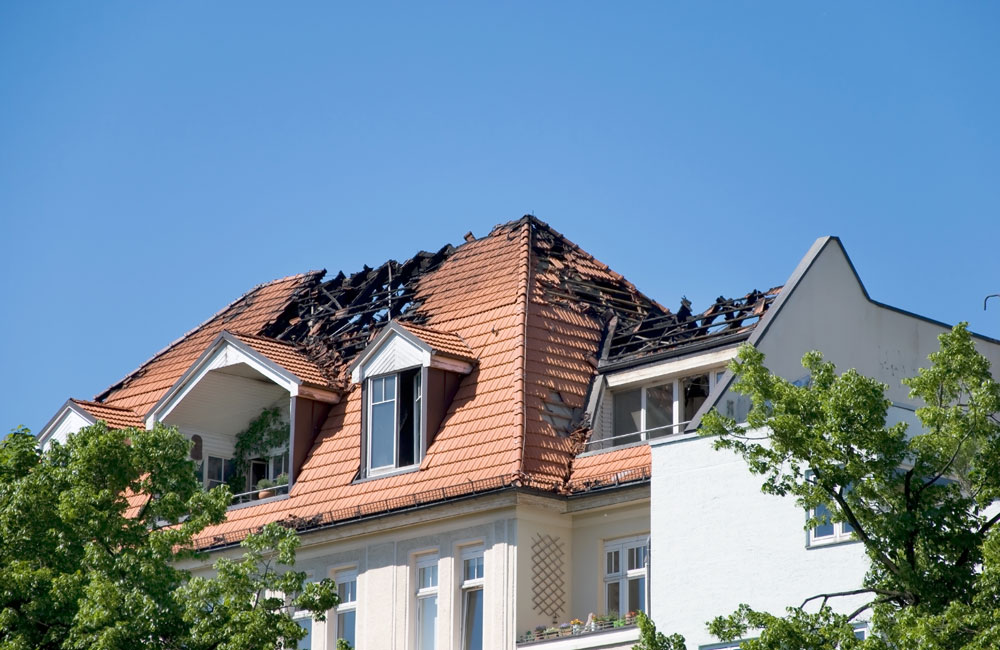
x=447, y=343
x=116, y=417
x=289, y=356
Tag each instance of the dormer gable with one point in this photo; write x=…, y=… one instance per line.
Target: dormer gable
x=404, y=345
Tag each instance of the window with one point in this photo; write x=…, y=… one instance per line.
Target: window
x=394, y=420
x=657, y=409
x=625, y=571
x=304, y=620
x=829, y=531
x=427, y=592
x=218, y=471
x=347, y=589
x=472, y=599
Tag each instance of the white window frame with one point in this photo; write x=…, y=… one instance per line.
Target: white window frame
x=715, y=375
x=422, y=595
x=420, y=381
x=840, y=535
x=624, y=574
x=476, y=555
x=345, y=606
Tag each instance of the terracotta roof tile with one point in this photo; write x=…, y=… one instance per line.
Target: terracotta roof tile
x=289, y=356
x=116, y=417
x=446, y=343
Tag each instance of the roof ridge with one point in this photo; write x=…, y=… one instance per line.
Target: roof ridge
x=521, y=366
x=308, y=274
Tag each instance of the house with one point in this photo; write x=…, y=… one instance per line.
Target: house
x=468, y=441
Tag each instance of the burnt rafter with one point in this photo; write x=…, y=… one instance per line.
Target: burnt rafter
x=334, y=320
x=656, y=333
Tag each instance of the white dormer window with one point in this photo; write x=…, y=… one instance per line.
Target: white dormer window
x=408, y=375
x=394, y=420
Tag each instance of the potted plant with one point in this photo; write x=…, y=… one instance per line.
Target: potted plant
x=539, y=632
x=281, y=480
x=565, y=629
x=264, y=487
x=577, y=625
x=551, y=632
x=630, y=617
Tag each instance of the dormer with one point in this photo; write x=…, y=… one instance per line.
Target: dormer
x=232, y=383
x=655, y=399
x=409, y=374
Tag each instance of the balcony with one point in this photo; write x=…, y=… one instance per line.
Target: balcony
x=600, y=635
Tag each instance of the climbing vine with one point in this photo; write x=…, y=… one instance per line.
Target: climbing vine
x=265, y=432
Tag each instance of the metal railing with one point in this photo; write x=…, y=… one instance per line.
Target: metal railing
x=263, y=493
x=622, y=439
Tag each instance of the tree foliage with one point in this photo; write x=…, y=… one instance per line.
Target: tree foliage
x=921, y=502
x=92, y=533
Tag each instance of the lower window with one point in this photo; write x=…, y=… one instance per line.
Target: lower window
x=347, y=589
x=427, y=589
x=625, y=575
x=472, y=599
x=304, y=620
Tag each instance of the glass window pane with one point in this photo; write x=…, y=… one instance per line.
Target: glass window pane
x=377, y=392
x=636, y=557
x=823, y=530
x=628, y=413
x=848, y=528
x=659, y=409
x=474, y=568
x=614, y=562
x=345, y=626
x=382, y=434
x=427, y=577
x=390, y=387
x=614, y=600
x=347, y=590
x=306, y=624
x=426, y=621
x=472, y=620
x=695, y=392
x=214, y=468
x=636, y=594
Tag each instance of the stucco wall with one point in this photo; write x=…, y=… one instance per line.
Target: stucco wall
x=717, y=541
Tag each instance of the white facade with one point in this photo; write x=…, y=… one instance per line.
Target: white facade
x=717, y=541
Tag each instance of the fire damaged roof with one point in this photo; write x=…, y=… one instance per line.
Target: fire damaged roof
x=660, y=333
x=537, y=314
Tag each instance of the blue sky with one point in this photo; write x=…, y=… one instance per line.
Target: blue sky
x=158, y=160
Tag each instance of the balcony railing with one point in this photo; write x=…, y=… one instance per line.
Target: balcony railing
x=622, y=439
x=256, y=495
x=582, y=635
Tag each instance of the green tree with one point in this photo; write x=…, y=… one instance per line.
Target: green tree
x=650, y=639
x=920, y=502
x=92, y=533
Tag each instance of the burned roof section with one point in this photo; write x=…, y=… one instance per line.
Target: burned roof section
x=728, y=320
x=334, y=320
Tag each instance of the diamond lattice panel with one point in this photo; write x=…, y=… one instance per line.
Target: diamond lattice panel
x=548, y=587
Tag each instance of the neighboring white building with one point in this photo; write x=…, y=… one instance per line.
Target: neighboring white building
x=717, y=541
x=469, y=433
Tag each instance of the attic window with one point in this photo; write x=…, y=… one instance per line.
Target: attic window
x=395, y=414
x=408, y=375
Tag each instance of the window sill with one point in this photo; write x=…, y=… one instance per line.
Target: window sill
x=394, y=472
x=827, y=543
